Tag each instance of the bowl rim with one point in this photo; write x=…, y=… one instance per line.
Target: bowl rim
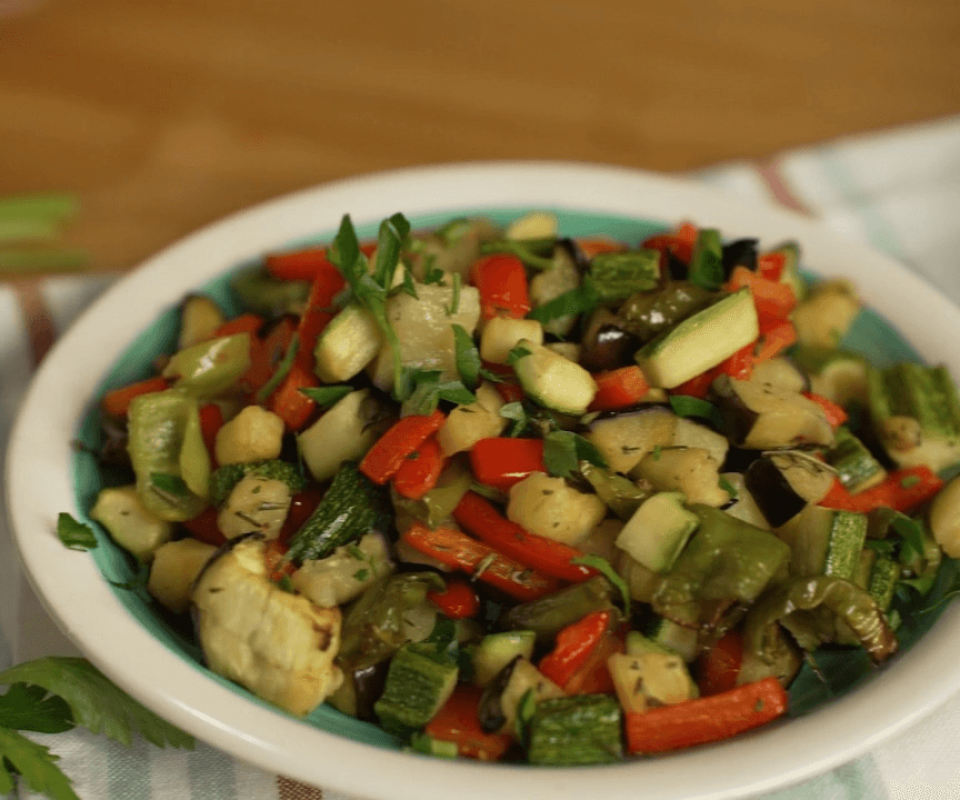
x=39, y=486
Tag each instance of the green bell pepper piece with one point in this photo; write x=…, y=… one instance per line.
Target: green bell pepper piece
x=212, y=367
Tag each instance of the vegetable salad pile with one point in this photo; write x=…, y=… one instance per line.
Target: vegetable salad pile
x=517, y=496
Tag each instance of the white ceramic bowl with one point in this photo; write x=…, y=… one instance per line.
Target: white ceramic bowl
x=109, y=628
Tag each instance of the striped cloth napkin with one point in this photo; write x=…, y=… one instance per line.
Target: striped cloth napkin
x=898, y=190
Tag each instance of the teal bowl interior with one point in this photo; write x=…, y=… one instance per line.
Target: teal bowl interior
x=842, y=670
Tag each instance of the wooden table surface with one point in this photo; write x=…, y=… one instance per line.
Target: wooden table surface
x=164, y=115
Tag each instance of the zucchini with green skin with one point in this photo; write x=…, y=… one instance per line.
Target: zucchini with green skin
x=352, y=507
x=224, y=478
x=856, y=467
x=419, y=682
x=583, y=729
x=915, y=412
x=825, y=541
x=553, y=381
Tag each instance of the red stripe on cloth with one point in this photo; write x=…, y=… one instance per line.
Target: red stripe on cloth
x=288, y=789
x=770, y=171
x=36, y=317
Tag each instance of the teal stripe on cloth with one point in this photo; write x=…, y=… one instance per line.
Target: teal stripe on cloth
x=858, y=780
x=878, y=230
x=212, y=774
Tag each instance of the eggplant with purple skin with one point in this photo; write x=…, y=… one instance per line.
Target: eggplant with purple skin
x=762, y=416
x=740, y=253
x=606, y=344
x=278, y=645
x=784, y=483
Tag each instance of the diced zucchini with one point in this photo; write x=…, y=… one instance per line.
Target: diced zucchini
x=123, y=515
x=825, y=541
x=467, y=424
x=856, y=467
x=690, y=470
x=174, y=568
x=562, y=277
x=550, y=507
x=945, y=518
x=669, y=636
x=838, y=375
x=623, y=439
x=519, y=682
x=701, y=341
x=501, y=334
x=424, y=326
x=255, y=504
x=347, y=345
x=554, y=381
x=419, y=682
x=823, y=318
x=582, y=729
x=616, y=276
x=533, y=225
x=352, y=507
x=495, y=650
x=650, y=680
x=342, y=433
x=658, y=530
x=200, y=317
x=915, y=411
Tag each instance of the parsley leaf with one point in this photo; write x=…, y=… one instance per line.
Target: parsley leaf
x=517, y=414
x=422, y=390
x=96, y=703
x=606, y=569
x=74, y=534
x=517, y=353
x=564, y=450
x=35, y=763
x=535, y=253
x=326, y=396
x=467, y=357
x=686, y=406
x=455, y=298
x=576, y=301
x=33, y=708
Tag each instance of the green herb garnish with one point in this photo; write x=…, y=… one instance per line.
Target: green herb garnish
x=564, y=450
x=75, y=534
x=326, y=396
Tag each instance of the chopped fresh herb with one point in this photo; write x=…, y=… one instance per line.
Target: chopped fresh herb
x=33, y=708
x=408, y=285
x=657, y=451
x=605, y=568
x=355, y=552
x=138, y=581
x=535, y=253
x=326, y=396
x=455, y=299
x=517, y=353
x=361, y=575
x=281, y=372
x=371, y=290
x=75, y=534
x=564, y=450
x=168, y=484
x=908, y=481
x=285, y=584
x=576, y=301
x=685, y=406
x=467, y=357
x=434, y=274
x=517, y=414
x=729, y=488
x=422, y=390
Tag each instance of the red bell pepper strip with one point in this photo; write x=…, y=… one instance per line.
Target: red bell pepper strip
x=594, y=677
x=717, y=669
x=902, y=490
x=305, y=264
x=619, y=388
x=592, y=246
x=117, y=402
x=266, y=353
x=458, y=721
x=458, y=601
x=706, y=719
x=289, y=403
x=510, y=392
x=573, y=646
x=455, y=549
x=678, y=243
x=771, y=265
x=278, y=567
x=211, y=420
x=245, y=323
x=739, y=365
x=501, y=461
x=697, y=386
x=327, y=284
x=835, y=414
x=419, y=472
x=771, y=298
x=205, y=528
x=775, y=337
x=545, y=555
x=388, y=453
x=502, y=282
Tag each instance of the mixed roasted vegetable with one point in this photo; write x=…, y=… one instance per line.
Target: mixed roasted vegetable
x=514, y=495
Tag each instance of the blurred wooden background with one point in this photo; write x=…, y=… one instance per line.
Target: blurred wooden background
x=166, y=114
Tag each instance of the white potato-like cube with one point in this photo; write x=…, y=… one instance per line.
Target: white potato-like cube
x=123, y=515
x=255, y=505
x=254, y=434
x=552, y=508
x=174, y=569
x=501, y=334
